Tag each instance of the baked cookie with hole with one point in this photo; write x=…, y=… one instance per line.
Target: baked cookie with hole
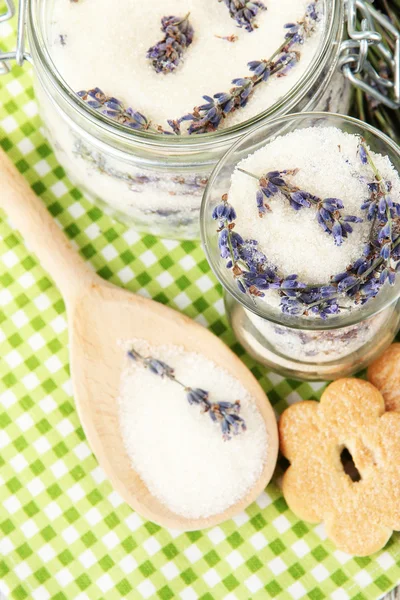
x=344, y=454
x=384, y=373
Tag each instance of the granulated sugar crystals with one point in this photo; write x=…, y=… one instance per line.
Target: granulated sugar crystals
x=192, y=432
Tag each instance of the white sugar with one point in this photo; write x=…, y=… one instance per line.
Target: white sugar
x=179, y=452
x=106, y=46
x=328, y=167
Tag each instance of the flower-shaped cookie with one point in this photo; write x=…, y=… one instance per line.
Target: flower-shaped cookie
x=384, y=373
x=359, y=516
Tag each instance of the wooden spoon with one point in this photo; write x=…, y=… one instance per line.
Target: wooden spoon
x=99, y=315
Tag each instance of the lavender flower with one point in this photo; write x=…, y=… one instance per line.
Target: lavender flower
x=226, y=414
x=329, y=214
x=167, y=54
x=244, y=12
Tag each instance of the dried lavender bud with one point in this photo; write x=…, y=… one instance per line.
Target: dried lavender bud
x=244, y=12
x=226, y=414
x=167, y=54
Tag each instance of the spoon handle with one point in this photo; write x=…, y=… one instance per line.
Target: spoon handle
x=30, y=216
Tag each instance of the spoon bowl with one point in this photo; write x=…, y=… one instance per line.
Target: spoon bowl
x=100, y=316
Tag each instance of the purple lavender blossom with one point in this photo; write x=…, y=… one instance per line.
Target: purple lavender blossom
x=328, y=215
x=167, y=54
x=244, y=12
x=226, y=414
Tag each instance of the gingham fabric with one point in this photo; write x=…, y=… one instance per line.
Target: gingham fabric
x=64, y=532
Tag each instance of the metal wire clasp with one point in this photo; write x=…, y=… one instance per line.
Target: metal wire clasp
x=355, y=60
x=19, y=54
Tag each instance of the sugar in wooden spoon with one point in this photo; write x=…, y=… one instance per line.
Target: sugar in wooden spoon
x=99, y=315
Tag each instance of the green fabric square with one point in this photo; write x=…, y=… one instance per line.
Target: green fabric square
x=20, y=443
x=15, y=340
x=31, y=509
x=258, y=522
x=55, y=209
x=129, y=544
x=89, y=539
x=166, y=262
x=43, y=150
x=339, y=577
x=26, y=403
x=54, y=491
x=277, y=547
x=14, y=485
x=151, y=527
x=189, y=576
x=143, y=279
x=94, y=497
x=65, y=557
x=106, y=563
x=48, y=533
x=112, y=520
x=71, y=515
x=83, y=582
x=212, y=558
x=235, y=540
x=316, y=594
x=72, y=230
x=383, y=583
x=3, y=569
x=124, y=587
x=230, y=582
x=254, y=564
x=110, y=235
x=296, y=571
x=38, y=188
x=319, y=553
x=78, y=473
x=42, y=575
x=273, y=588
x=22, y=166
x=147, y=568
x=6, y=144
x=22, y=300
x=19, y=593
x=165, y=593
x=7, y=526
x=24, y=551
x=194, y=536
x=170, y=551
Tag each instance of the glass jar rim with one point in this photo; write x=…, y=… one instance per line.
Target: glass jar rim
x=369, y=309
x=39, y=50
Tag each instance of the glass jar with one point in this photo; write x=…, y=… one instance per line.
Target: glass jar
x=299, y=346
x=148, y=180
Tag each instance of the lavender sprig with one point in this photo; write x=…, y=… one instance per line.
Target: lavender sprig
x=328, y=210
x=244, y=12
x=362, y=280
x=226, y=414
x=114, y=109
x=167, y=54
x=208, y=116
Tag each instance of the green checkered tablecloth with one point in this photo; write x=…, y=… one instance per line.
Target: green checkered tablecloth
x=65, y=534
